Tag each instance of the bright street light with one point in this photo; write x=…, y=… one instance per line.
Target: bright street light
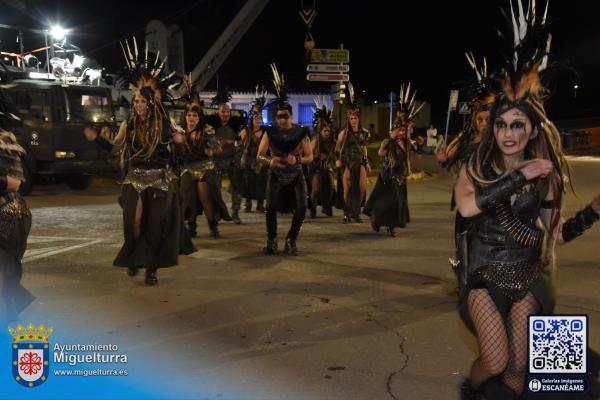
x=58, y=32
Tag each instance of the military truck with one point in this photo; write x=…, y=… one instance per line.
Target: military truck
x=53, y=115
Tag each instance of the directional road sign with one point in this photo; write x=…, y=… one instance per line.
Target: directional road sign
x=330, y=56
x=335, y=68
x=328, y=77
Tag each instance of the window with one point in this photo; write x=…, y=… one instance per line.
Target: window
x=87, y=107
x=305, y=114
x=34, y=104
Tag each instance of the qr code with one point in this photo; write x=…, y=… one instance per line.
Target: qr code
x=558, y=344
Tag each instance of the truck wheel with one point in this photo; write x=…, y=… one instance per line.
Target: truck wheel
x=26, y=186
x=79, y=182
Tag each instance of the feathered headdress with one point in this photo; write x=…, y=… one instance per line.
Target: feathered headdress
x=407, y=107
x=260, y=99
x=281, y=96
x=528, y=42
x=222, y=97
x=147, y=76
x=190, y=96
x=352, y=106
x=481, y=89
x=321, y=116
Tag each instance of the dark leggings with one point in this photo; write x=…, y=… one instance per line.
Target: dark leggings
x=274, y=189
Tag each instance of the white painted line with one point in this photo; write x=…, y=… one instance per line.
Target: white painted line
x=63, y=250
x=44, y=239
x=34, y=252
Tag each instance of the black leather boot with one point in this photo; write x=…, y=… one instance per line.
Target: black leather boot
x=151, y=278
x=260, y=207
x=236, y=217
x=271, y=247
x=213, y=225
x=290, y=246
x=191, y=227
x=375, y=227
x=495, y=389
x=468, y=393
x=132, y=271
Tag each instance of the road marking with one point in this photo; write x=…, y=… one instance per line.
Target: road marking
x=52, y=251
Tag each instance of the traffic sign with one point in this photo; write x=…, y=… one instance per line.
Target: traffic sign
x=327, y=68
x=464, y=108
x=453, y=99
x=328, y=77
x=330, y=56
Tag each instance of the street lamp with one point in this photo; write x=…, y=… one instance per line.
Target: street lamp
x=58, y=32
x=575, y=87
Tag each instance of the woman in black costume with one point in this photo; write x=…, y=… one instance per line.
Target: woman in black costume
x=322, y=188
x=512, y=188
x=388, y=202
x=255, y=173
x=352, y=162
x=151, y=207
x=199, y=185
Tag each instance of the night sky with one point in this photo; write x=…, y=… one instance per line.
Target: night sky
x=423, y=44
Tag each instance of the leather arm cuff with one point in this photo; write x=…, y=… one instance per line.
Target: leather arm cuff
x=578, y=224
x=264, y=160
x=487, y=197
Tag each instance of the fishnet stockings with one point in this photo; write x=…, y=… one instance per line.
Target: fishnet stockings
x=503, y=349
x=492, y=337
x=514, y=376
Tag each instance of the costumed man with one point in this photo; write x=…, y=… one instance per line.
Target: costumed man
x=388, y=203
x=255, y=173
x=149, y=151
x=289, y=146
x=352, y=162
x=322, y=188
x=15, y=219
x=229, y=156
x=199, y=181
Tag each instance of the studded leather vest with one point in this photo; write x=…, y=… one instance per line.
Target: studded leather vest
x=505, y=245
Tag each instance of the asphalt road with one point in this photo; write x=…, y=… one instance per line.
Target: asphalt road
x=358, y=315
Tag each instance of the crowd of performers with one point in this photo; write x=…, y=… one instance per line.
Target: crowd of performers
x=509, y=192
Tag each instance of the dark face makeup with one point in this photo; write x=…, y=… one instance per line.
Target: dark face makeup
x=512, y=130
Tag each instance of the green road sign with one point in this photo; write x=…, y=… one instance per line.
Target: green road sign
x=329, y=56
